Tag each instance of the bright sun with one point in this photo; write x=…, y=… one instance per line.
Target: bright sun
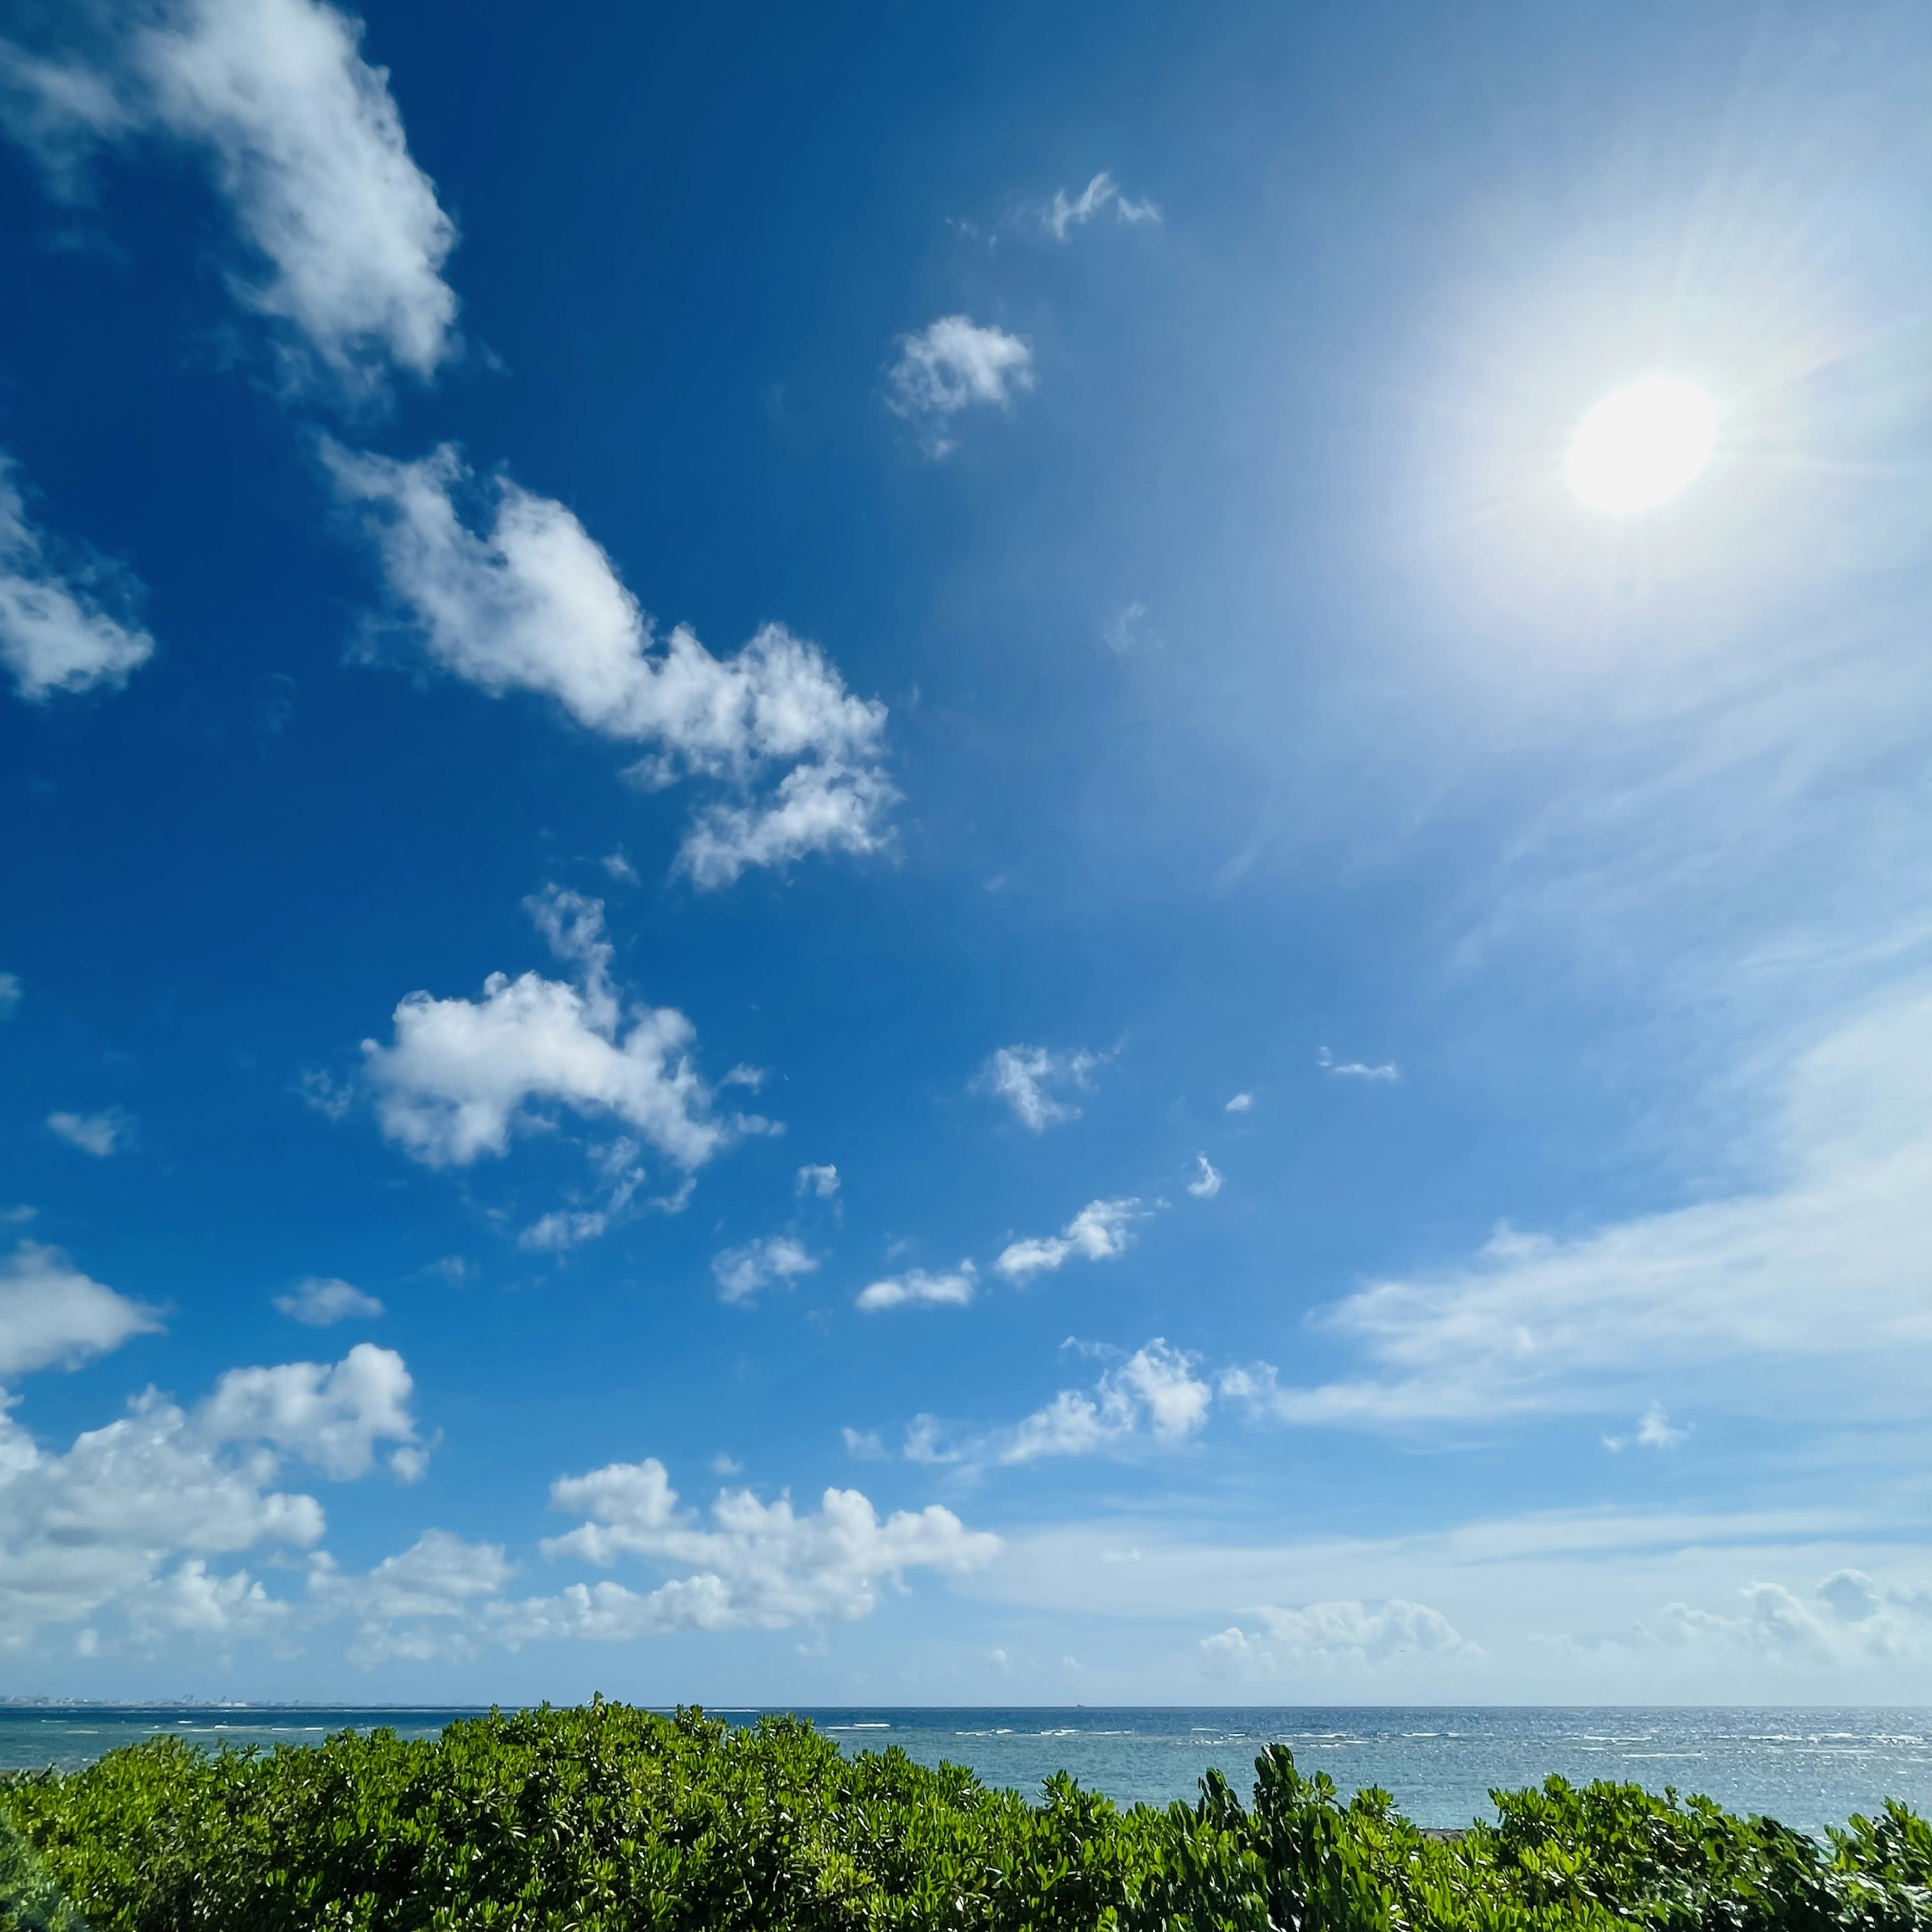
x=1641, y=445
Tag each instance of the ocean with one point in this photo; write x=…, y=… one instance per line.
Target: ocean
x=1809, y=1767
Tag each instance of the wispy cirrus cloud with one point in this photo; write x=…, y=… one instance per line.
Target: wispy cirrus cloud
x=528, y=600
x=1813, y=1280
x=1102, y=195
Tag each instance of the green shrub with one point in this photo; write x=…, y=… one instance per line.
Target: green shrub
x=607, y=1819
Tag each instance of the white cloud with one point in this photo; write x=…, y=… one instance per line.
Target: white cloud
x=1153, y=1393
x=533, y=603
x=419, y=1604
x=308, y=151
x=863, y=1445
x=922, y=1444
x=1240, y=1103
x=99, y=1525
x=1207, y=1182
x=620, y=1173
x=916, y=1288
x=1654, y=1430
x=1355, y=1070
x=1026, y=1078
x=1126, y=629
x=754, y=1565
x=1099, y=194
x=1101, y=1230
x=562, y=1229
x=80, y=1530
x=108, y=1132
x=777, y=1260
x=1792, y=1299
x=11, y=994
x=332, y=1415
x=821, y=1181
x=320, y=1301
x=952, y=364
x=1349, y=1631
x=462, y=1075
x=52, y=1314
x=56, y=633
x=193, y=1601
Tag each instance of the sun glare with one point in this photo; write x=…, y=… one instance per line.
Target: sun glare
x=1641, y=445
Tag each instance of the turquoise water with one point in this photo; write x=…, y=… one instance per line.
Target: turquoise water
x=1809, y=1767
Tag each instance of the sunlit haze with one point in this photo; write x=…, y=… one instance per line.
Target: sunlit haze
x=1640, y=445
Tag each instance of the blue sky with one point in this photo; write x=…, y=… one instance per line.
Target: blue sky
x=841, y=867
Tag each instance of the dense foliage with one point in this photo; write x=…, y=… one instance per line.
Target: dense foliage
x=607, y=1819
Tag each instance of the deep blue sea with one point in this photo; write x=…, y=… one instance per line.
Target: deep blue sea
x=1808, y=1767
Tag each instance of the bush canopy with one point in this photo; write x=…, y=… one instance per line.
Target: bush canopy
x=608, y=1818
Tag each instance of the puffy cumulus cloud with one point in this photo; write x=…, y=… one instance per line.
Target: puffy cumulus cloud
x=1850, y=1617
x=1061, y=216
x=1154, y=1393
x=916, y=1288
x=320, y=1302
x=124, y=1517
x=330, y=1415
x=1101, y=1230
x=530, y=602
x=308, y=151
x=57, y=632
x=1792, y=1298
x=461, y=1076
x=108, y=1132
x=419, y=1604
x=1350, y=1632
x=192, y=1600
x=52, y=1315
x=753, y=1564
x=776, y=1261
x=1032, y=1080
x=820, y=1181
x=952, y=364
